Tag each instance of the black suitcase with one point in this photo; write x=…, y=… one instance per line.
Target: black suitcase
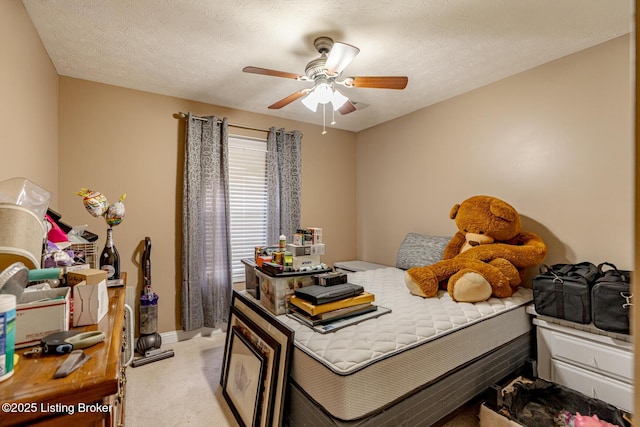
x=563, y=291
x=611, y=299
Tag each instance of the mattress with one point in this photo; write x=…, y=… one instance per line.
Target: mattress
x=356, y=371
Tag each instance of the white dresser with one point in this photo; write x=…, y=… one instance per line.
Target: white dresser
x=586, y=359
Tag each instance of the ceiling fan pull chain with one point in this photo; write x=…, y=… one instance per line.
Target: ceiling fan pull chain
x=324, y=130
x=333, y=117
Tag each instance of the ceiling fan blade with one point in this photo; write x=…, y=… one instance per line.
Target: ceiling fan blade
x=268, y=72
x=340, y=57
x=378, y=82
x=347, y=108
x=288, y=100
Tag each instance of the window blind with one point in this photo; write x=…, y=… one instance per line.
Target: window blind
x=247, y=199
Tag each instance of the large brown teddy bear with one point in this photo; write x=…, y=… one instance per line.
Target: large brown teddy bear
x=488, y=256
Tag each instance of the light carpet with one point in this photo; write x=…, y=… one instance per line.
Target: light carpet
x=185, y=389
x=181, y=390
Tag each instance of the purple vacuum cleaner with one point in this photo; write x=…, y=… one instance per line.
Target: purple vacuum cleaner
x=149, y=341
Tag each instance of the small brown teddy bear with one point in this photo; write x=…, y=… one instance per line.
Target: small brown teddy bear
x=488, y=255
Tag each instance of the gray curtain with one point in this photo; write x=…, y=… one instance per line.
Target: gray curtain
x=206, y=249
x=284, y=180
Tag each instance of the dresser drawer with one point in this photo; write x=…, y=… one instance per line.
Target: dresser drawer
x=598, y=386
x=612, y=360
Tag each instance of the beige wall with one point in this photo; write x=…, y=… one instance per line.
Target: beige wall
x=28, y=102
x=555, y=142
x=117, y=140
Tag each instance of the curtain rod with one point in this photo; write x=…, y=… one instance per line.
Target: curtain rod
x=230, y=124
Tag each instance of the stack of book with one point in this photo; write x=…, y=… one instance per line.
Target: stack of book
x=316, y=305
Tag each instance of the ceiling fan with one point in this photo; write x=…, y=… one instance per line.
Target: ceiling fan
x=325, y=72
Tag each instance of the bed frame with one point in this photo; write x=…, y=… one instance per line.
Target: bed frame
x=431, y=403
x=435, y=400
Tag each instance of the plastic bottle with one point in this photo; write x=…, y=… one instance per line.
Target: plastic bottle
x=7, y=334
x=283, y=242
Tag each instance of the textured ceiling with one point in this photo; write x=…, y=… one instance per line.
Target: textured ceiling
x=196, y=49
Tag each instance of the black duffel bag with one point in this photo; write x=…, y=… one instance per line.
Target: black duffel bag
x=563, y=291
x=611, y=299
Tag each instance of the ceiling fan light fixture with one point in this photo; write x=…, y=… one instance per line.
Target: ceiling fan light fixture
x=338, y=100
x=311, y=101
x=340, y=56
x=325, y=72
x=323, y=92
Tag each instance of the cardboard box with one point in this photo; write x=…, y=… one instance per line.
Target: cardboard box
x=302, y=250
x=305, y=261
x=299, y=250
x=317, y=249
x=90, y=276
x=90, y=303
x=262, y=259
x=75, y=267
x=275, y=291
x=528, y=402
x=490, y=418
x=316, y=234
x=40, y=313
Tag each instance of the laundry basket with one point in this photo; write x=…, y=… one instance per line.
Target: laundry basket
x=90, y=251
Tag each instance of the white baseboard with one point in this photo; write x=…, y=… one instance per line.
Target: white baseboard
x=171, y=337
x=176, y=336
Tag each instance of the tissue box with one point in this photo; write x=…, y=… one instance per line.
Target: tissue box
x=40, y=313
x=90, y=302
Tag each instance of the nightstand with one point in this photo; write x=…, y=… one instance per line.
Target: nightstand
x=586, y=359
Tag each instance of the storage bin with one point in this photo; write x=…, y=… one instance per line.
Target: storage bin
x=542, y=403
x=90, y=251
x=26, y=194
x=40, y=313
x=22, y=237
x=276, y=290
x=250, y=278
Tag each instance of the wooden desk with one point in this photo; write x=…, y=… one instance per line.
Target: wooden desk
x=35, y=398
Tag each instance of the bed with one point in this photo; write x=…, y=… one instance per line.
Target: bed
x=413, y=366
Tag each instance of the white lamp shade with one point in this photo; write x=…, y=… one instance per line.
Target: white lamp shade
x=340, y=56
x=311, y=101
x=324, y=93
x=338, y=100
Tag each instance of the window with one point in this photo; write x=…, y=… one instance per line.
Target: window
x=247, y=199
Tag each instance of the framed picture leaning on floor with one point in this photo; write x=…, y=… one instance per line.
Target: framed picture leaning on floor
x=272, y=341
